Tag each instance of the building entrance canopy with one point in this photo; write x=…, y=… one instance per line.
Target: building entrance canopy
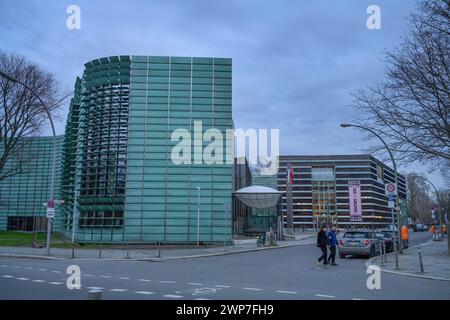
x=258, y=197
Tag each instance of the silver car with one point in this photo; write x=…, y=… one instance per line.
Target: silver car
x=359, y=242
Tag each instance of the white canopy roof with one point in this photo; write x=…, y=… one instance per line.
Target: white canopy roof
x=258, y=197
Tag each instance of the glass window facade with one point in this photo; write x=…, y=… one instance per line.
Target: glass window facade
x=22, y=196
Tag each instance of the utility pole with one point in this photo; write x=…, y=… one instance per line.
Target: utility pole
x=289, y=206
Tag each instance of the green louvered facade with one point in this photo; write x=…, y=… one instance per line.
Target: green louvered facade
x=118, y=175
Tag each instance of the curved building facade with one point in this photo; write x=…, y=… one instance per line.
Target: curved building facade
x=120, y=183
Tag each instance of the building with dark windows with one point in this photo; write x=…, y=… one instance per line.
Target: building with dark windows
x=320, y=190
x=118, y=180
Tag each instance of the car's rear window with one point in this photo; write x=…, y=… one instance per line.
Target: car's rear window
x=356, y=235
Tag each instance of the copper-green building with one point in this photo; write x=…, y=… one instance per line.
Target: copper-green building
x=118, y=180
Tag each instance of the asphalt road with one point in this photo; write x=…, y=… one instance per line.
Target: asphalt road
x=288, y=273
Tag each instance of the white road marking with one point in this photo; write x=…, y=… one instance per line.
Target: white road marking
x=42, y=269
x=358, y=299
x=221, y=286
x=56, y=271
x=164, y=281
x=195, y=284
x=88, y=275
x=174, y=296
x=22, y=279
x=144, y=292
x=7, y=276
x=55, y=282
x=201, y=299
x=144, y=280
x=118, y=290
x=106, y=277
x=289, y=292
x=124, y=278
x=29, y=268
x=95, y=288
x=324, y=296
x=252, y=289
x=38, y=281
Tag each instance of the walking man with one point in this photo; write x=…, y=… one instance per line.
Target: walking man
x=332, y=240
x=322, y=241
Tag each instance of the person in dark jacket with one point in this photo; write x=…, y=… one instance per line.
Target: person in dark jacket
x=332, y=241
x=322, y=241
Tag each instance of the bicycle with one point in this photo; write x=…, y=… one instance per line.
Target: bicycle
x=261, y=241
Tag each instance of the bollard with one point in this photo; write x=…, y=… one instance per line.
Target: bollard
x=95, y=295
x=384, y=253
x=159, y=249
x=381, y=254
x=128, y=252
x=420, y=260
x=73, y=252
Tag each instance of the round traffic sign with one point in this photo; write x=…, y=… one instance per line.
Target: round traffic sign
x=391, y=187
x=50, y=204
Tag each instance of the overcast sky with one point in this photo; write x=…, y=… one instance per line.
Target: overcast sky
x=295, y=63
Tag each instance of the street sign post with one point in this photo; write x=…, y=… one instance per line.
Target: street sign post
x=50, y=209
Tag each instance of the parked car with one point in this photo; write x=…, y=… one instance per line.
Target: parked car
x=419, y=227
x=386, y=236
x=393, y=236
x=359, y=242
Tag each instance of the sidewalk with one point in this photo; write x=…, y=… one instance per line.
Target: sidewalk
x=436, y=262
x=165, y=253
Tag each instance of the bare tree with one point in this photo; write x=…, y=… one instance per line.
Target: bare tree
x=419, y=202
x=411, y=107
x=21, y=113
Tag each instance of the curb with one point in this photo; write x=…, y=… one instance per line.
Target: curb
x=421, y=276
x=30, y=256
x=12, y=255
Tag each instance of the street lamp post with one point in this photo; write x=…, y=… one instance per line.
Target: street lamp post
x=437, y=197
x=198, y=216
x=52, y=181
x=347, y=125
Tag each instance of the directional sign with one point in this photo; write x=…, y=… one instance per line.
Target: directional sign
x=391, y=204
x=390, y=189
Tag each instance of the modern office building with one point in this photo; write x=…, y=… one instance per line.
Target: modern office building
x=23, y=196
x=321, y=192
x=119, y=180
